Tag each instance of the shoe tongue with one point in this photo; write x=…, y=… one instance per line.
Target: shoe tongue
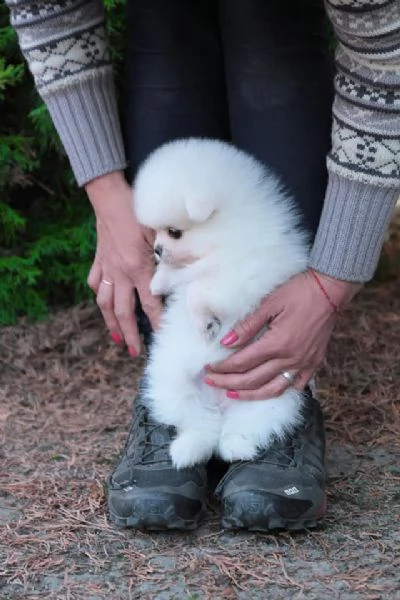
x=277, y=454
x=160, y=436
x=158, y=439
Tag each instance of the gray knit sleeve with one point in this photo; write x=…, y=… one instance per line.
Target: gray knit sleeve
x=364, y=163
x=65, y=45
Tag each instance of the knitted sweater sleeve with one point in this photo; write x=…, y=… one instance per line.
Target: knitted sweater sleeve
x=64, y=43
x=364, y=162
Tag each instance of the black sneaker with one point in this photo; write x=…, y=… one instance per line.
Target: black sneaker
x=145, y=491
x=284, y=487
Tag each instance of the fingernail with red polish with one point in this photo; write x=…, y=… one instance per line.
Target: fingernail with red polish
x=132, y=351
x=208, y=368
x=209, y=382
x=229, y=338
x=232, y=394
x=117, y=339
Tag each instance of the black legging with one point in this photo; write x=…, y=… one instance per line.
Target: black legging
x=256, y=72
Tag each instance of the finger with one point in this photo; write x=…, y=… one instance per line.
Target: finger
x=250, y=380
x=124, y=310
x=259, y=352
x=273, y=389
x=94, y=276
x=105, y=301
x=303, y=379
x=151, y=305
x=250, y=327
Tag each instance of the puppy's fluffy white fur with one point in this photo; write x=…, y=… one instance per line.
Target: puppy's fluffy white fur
x=240, y=240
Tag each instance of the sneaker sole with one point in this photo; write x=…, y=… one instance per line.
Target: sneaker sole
x=156, y=514
x=273, y=524
x=260, y=520
x=158, y=524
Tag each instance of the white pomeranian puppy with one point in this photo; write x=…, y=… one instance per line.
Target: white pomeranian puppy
x=226, y=236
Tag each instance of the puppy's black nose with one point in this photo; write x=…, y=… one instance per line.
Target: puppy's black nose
x=158, y=252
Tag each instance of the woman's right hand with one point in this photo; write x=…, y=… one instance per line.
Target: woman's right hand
x=124, y=258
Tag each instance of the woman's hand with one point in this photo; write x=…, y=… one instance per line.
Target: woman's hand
x=123, y=261
x=300, y=321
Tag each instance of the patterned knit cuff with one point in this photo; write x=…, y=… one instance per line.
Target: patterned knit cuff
x=352, y=229
x=85, y=115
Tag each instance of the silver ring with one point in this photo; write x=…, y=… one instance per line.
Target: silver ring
x=290, y=377
x=106, y=282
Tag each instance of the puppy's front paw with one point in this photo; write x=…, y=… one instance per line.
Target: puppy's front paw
x=187, y=450
x=203, y=316
x=211, y=327
x=207, y=325
x=159, y=284
x=233, y=446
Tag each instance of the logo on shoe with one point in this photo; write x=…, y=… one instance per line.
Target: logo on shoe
x=153, y=508
x=291, y=491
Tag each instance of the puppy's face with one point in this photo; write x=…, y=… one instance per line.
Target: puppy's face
x=179, y=193
x=171, y=247
x=188, y=236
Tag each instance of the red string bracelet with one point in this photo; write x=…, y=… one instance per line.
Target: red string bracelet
x=323, y=290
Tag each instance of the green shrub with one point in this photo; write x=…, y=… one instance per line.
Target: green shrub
x=47, y=234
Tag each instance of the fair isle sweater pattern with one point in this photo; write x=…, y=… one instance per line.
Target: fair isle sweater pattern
x=62, y=60
x=366, y=110
x=63, y=41
x=65, y=44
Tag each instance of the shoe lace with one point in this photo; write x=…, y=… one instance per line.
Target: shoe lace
x=148, y=456
x=278, y=453
x=150, y=443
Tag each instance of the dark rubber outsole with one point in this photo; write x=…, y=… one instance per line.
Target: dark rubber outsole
x=258, y=512
x=160, y=512
x=272, y=524
x=157, y=510
x=227, y=523
x=158, y=523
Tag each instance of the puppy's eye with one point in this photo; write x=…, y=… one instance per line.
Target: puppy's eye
x=175, y=234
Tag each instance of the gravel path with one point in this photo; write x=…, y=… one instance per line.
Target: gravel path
x=65, y=395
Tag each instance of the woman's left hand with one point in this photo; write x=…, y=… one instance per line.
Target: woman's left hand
x=300, y=321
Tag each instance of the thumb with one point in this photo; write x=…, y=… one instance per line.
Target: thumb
x=151, y=305
x=254, y=325
x=95, y=275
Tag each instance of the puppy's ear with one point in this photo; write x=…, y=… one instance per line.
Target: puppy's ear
x=199, y=209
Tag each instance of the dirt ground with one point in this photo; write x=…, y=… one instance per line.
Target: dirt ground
x=65, y=399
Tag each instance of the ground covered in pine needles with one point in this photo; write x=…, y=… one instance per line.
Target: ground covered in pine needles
x=65, y=400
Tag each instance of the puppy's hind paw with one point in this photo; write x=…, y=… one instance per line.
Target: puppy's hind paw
x=187, y=450
x=233, y=446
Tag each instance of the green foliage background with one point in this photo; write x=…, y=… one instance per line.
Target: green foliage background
x=47, y=234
